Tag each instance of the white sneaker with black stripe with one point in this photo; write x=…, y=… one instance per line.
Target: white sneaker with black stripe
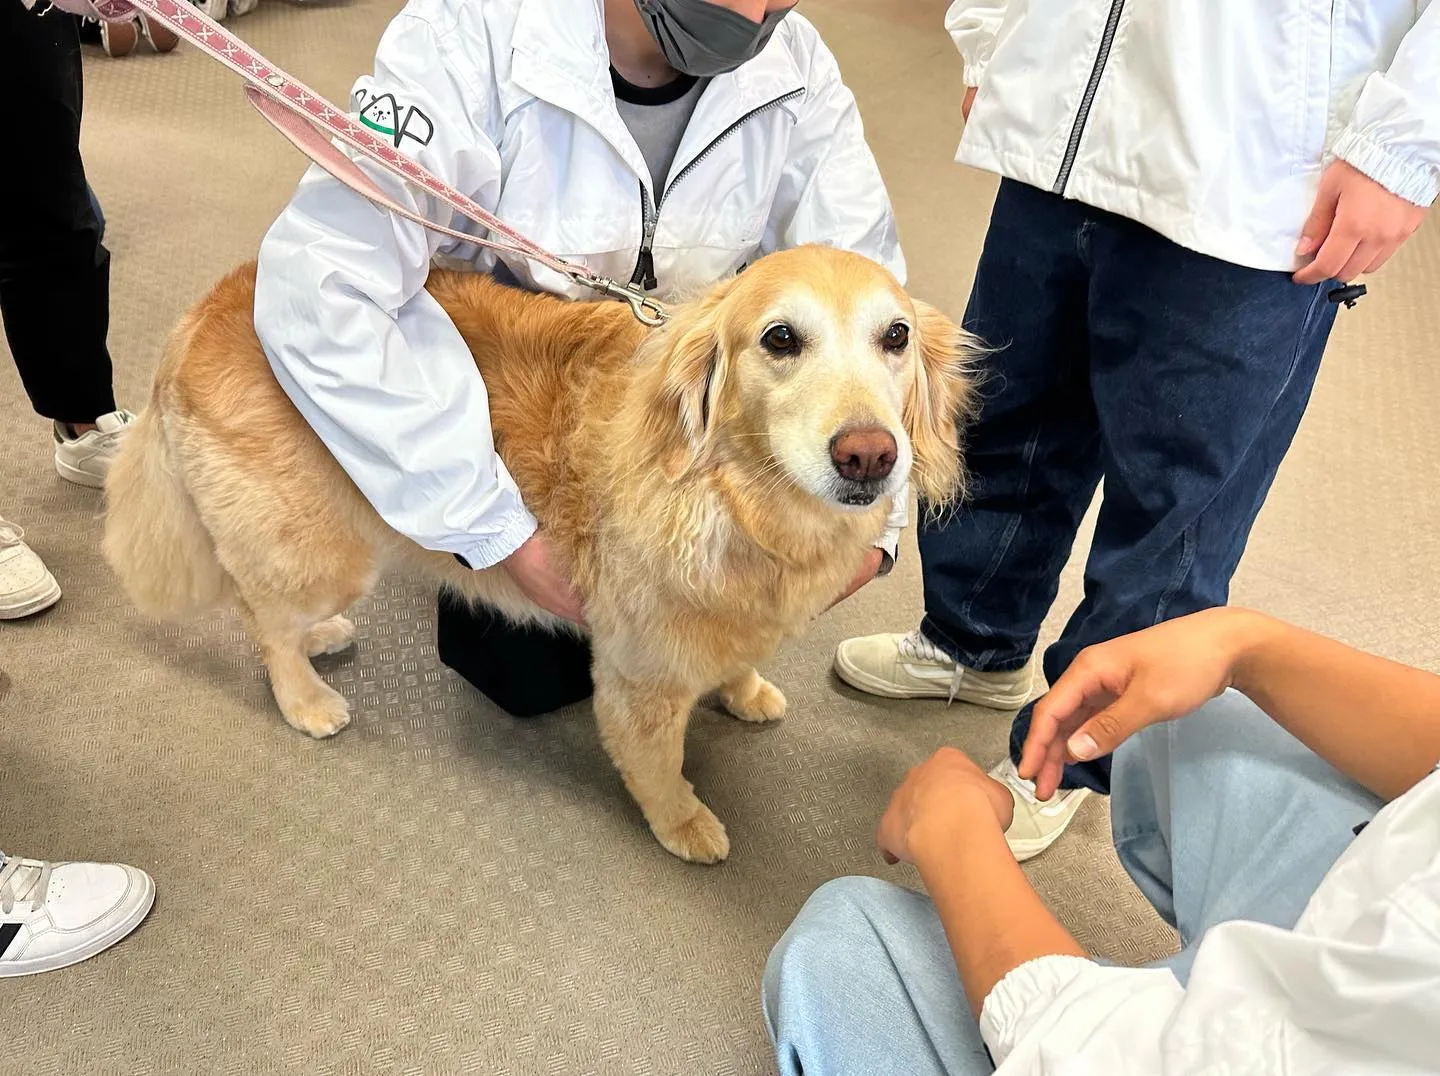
x=53, y=915
x=85, y=458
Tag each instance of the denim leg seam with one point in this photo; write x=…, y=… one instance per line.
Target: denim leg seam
x=1003, y=548
x=1187, y=556
x=1316, y=304
x=1187, y=559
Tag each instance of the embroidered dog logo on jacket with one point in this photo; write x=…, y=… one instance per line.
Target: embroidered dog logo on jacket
x=382, y=113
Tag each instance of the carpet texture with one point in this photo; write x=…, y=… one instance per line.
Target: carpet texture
x=443, y=889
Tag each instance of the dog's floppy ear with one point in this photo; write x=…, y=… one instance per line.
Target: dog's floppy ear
x=694, y=372
x=941, y=397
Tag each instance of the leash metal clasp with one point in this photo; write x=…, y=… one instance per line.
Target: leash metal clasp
x=647, y=310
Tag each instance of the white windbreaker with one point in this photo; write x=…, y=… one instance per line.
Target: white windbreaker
x=510, y=101
x=1207, y=120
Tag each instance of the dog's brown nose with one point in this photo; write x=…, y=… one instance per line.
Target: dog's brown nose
x=863, y=454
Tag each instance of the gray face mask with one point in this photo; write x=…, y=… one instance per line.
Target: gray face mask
x=704, y=39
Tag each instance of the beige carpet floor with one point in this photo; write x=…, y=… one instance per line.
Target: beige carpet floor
x=442, y=889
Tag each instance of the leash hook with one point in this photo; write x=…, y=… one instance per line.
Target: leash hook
x=647, y=310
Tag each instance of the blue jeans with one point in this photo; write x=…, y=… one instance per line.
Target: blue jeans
x=1178, y=378
x=1222, y=815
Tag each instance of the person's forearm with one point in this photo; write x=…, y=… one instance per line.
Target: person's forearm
x=1375, y=720
x=993, y=918
x=412, y=435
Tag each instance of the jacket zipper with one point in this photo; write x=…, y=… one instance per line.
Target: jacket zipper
x=1107, y=39
x=644, y=274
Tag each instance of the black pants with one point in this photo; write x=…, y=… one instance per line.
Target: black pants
x=524, y=671
x=54, y=271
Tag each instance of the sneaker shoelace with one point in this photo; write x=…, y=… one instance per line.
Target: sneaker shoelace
x=915, y=647
x=1011, y=778
x=22, y=880
x=10, y=534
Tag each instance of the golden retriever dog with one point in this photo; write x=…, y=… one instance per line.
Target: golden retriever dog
x=711, y=485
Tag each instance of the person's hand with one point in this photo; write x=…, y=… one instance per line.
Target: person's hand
x=871, y=565
x=936, y=804
x=1355, y=226
x=1113, y=690
x=969, y=101
x=533, y=567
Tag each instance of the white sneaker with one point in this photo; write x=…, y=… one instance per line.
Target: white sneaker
x=912, y=667
x=53, y=915
x=26, y=586
x=216, y=9
x=1037, y=823
x=85, y=460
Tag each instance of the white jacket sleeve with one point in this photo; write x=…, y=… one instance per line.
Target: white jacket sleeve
x=973, y=25
x=895, y=522
x=1394, y=133
x=1068, y=1014
x=369, y=358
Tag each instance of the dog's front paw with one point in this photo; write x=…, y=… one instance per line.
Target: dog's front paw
x=701, y=839
x=330, y=636
x=758, y=701
x=321, y=714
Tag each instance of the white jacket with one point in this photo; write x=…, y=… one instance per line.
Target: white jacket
x=1207, y=120
x=1351, y=991
x=510, y=101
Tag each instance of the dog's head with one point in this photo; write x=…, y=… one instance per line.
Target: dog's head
x=815, y=366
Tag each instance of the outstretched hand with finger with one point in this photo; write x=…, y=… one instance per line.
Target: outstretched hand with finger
x=1113, y=690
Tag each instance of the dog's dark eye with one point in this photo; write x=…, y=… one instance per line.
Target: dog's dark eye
x=781, y=340
x=896, y=338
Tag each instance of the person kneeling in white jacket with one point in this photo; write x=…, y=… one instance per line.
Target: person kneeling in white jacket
x=664, y=142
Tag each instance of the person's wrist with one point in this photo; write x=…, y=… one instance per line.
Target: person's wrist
x=1250, y=636
x=942, y=830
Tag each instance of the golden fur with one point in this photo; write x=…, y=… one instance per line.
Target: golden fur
x=682, y=475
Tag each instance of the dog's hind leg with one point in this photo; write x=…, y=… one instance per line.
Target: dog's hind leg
x=643, y=729
x=286, y=636
x=751, y=697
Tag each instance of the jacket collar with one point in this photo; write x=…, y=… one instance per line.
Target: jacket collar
x=559, y=55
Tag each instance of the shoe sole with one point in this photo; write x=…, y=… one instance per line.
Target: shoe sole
x=119, y=38
x=34, y=605
x=94, y=947
x=1025, y=850
x=873, y=685
x=161, y=38
x=71, y=473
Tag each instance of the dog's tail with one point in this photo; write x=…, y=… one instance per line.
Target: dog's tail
x=154, y=536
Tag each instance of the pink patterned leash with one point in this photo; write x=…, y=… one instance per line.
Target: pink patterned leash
x=306, y=118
